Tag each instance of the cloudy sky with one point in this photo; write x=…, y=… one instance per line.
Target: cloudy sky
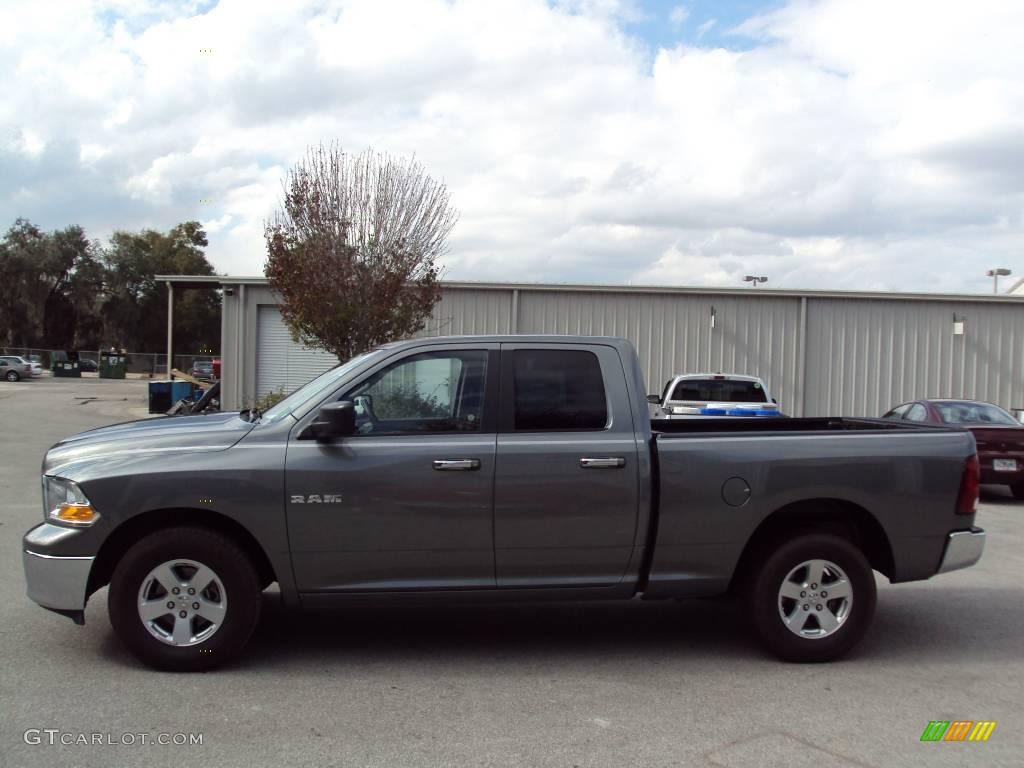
x=860, y=144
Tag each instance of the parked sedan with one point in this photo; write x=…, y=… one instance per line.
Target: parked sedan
x=202, y=370
x=14, y=368
x=999, y=436
x=37, y=364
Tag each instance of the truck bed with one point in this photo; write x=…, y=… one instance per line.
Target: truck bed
x=784, y=425
x=719, y=479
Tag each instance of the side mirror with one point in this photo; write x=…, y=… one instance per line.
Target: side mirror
x=654, y=399
x=335, y=420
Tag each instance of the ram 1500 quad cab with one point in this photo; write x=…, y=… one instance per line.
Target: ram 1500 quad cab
x=511, y=467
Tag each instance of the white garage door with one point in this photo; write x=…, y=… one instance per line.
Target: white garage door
x=282, y=364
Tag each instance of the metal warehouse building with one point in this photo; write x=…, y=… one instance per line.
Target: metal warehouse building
x=820, y=352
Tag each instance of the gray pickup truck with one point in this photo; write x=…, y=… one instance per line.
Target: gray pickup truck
x=514, y=467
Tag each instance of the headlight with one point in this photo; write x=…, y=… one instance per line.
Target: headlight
x=64, y=502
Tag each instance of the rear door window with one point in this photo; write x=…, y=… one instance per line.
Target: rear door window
x=557, y=391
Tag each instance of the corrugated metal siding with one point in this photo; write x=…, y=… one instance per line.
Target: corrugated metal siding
x=673, y=333
x=865, y=356
x=281, y=363
x=466, y=311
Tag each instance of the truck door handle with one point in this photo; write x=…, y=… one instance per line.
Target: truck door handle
x=455, y=465
x=611, y=462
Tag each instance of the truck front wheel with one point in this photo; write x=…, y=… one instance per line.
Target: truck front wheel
x=184, y=599
x=812, y=598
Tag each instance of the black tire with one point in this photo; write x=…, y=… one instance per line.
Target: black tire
x=1017, y=490
x=764, y=602
x=12, y=376
x=210, y=548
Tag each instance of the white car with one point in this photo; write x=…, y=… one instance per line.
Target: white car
x=37, y=365
x=715, y=394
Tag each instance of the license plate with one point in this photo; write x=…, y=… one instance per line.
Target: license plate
x=1004, y=465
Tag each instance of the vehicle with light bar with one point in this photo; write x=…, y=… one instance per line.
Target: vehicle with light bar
x=490, y=468
x=715, y=394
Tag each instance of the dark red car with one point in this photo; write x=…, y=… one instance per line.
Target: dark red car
x=999, y=436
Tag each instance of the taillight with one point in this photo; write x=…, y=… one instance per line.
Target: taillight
x=970, y=487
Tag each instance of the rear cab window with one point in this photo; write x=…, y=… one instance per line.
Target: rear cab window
x=974, y=413
x=718, y=390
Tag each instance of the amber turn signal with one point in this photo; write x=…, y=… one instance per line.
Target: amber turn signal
x=76, y=513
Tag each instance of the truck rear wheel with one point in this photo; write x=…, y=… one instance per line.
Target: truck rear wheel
x=184, y=599
x=812, y=598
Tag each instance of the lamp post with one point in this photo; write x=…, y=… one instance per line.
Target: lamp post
x=995, y=274
x=755, y=280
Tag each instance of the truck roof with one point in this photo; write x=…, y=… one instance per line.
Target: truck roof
x=719, y=375
x=514, y=338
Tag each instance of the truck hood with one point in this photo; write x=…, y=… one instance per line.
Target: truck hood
x=209, y=432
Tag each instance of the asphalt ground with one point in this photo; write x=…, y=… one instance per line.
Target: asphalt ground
x=630, y=684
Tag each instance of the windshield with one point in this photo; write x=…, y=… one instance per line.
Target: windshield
x=974, y=413
x=314, y=388
x=719, y=391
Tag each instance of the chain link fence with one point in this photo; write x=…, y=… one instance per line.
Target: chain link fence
x=146, y=364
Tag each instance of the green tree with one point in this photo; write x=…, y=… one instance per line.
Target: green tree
x=352, y=252
x=135, y=310
x=58, y=290
x=36, y=272
x=68, y=252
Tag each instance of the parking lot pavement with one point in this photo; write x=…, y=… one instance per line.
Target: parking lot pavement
x=632, y=684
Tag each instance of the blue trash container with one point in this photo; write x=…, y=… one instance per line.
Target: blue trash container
x=164, y=394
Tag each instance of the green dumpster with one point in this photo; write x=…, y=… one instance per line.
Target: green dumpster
x=112, y=365
x=66, y=369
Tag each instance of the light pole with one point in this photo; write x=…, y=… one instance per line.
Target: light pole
x=995, y=274
x=755, y=280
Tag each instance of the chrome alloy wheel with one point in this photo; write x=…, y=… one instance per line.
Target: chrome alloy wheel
x=815, y=599
x=182, y=602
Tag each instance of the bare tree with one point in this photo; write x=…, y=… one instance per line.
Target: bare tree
x=353, y=250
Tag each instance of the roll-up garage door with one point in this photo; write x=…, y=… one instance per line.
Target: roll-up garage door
x=281, y=363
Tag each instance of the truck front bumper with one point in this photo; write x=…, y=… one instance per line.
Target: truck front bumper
x=55, y=581
x=963, y=549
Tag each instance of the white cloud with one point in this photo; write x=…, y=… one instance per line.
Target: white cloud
x=33, y=142
x=859, y=143
x=678, y=15
x=90, y=153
